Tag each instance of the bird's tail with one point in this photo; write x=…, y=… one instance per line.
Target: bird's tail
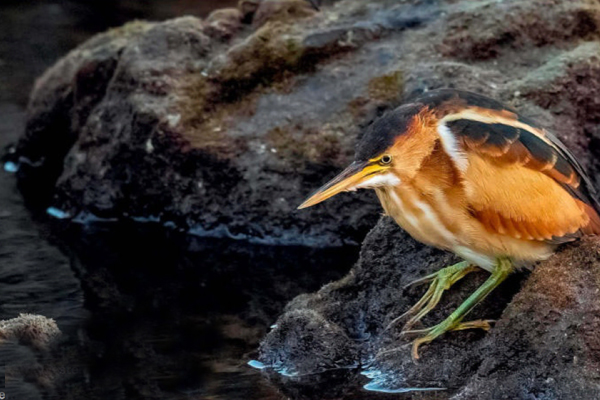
x=593, y=226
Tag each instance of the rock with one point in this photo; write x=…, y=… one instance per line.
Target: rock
x=543, y=342
x=298, y=336
x=488, y=28
x=248, y=8
x=282, y=10
x=30, y=330
x=26, y=345
x=160, y=121
x=546, y=344
x=224, y=23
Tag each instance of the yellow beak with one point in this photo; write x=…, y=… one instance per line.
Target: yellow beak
x=346, y=181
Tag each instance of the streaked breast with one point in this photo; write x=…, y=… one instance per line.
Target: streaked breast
x=417, y=215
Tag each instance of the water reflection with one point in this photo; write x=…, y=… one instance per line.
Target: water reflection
x=180, y=316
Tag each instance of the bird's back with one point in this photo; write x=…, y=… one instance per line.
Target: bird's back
x=501, y=137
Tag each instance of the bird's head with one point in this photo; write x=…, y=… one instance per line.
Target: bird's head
x=390, y=151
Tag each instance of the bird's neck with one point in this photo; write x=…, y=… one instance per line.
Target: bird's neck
x=419, y=204
x=434, y=171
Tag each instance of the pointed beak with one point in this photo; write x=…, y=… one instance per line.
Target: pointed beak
x=346, y=181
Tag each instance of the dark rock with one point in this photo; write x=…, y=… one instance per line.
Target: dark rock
x=542, y=343
x=224, y=23
x=248, y=9
x=301, y=333
x=163, y=121
x=546, y=344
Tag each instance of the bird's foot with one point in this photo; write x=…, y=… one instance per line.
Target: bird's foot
x=440, y=282
x=501, y=270
x=449, y=324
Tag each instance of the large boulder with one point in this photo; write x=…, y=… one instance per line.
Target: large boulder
x=220, y=127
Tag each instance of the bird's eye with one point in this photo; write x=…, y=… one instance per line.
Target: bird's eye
x=386, y=159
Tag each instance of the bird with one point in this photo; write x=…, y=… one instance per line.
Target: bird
x=462, y=172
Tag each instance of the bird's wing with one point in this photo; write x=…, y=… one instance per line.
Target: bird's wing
x=520, y=180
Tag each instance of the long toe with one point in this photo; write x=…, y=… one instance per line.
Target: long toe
x=417, y=343
x=440, y=282
x=485, y=324
x=454, y=321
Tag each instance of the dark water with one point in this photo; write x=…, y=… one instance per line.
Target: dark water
x=146, y=312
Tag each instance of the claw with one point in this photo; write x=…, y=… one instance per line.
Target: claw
x=435, y=331
x=440, y=281
x=420, y=281
x=416, y=344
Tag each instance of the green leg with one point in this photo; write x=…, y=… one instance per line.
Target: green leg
x=440, y=282
x=501, y=271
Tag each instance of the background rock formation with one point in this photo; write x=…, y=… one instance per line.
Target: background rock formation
x=224, y=125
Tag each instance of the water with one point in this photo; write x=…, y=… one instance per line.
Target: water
x=146, y=312
x=181, y=313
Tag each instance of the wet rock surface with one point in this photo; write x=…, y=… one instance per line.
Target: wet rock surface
x=223, y=125
x=543, y=343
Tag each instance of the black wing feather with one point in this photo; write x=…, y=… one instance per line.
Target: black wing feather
x=558, y=156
